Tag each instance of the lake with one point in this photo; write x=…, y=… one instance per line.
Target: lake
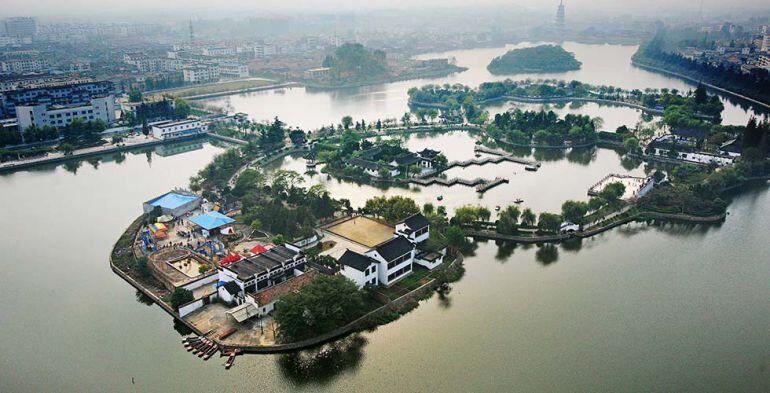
x=639, y=308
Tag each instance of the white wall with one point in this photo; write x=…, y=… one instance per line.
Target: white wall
x=190, y=307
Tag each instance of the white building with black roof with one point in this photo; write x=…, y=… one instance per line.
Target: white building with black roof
x=359, y=268
x=416, y=228
x=427, y=157
x=259, y=272
x=395, y=257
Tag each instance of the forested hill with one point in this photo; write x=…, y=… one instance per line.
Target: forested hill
x=539, y=59
x=354, y=62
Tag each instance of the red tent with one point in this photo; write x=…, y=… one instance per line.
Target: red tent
x=230, y=259
x=258, y=249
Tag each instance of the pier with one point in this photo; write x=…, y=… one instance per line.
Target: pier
x=482, y=185
x=505, y=156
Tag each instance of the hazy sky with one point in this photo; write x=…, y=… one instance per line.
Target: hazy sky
x=53, y=8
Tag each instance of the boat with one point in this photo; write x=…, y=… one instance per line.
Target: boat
x=210, y=352
x=227, y=333
x=230, y=360
x=497, y=208
x=518, y=200
x=531, y=168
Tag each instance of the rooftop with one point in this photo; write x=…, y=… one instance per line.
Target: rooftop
x=363, y=230
x=355, y=260
x=416, y=222
x=211, y=220
x=275, y=292
x=262, y=263
x=172, y=200
x=394, y=248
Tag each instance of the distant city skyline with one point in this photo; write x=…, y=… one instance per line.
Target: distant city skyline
x=86, y=8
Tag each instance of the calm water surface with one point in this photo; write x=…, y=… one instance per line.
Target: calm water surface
x=602, y=65
x=640, y=308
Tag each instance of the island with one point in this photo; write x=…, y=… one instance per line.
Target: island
x=250, y=260
x=352, y=65
x=538, y=59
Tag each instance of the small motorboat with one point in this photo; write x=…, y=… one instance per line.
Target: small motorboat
x=518, y=200
x=230, y=360
x=497, y=208
x=531, y=168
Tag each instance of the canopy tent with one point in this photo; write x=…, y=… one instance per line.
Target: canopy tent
x=227, y=231
x=230, y=259
x=243, y=312
x=158, y=227
x=258, y=249
x=211, y=220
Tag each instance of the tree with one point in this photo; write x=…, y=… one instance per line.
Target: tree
x=574, y=211
x=549, y=222
x=468, y=214
x=457, y=240
x=528, y=218
x=347, y=121
x=326, y=303
x=135, y=95
x=181, y=108
x=508, y=221
x=613, y=191
x=145, y=127
x=181, y=296
x=596, y=203
x=142, y=268
x=66, y=148
x=440, y=162
x=406, y=119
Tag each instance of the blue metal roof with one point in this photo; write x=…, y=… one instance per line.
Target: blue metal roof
x=211, y=220
x=172, y=200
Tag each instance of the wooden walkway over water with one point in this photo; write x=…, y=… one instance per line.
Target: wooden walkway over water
x=482, y=185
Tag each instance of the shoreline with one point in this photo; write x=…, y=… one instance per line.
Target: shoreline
x=362, y=323
x=652, y=68
x=12, y=166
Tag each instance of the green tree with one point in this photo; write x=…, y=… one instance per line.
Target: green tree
x=528, y=218
x=574, y=211
x=135, y=95
x=180, y=297
x=549, y=222
x=181, y=108
x=318, y=307
x=457, y=240
x=613, y=191
x=508, y=221
x=346, y=122
x=66, y=148
x=142, y=267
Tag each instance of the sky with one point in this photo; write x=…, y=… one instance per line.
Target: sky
x=53, y=8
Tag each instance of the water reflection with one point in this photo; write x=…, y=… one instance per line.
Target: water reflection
x=143, y=299
x=72, y=166
x=181, y=328
x=547, y=254
x=572, y=245
x=582, y=156
x=323, y=365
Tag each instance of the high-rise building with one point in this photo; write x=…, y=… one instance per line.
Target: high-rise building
x=560, y=15
x=21, y=27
